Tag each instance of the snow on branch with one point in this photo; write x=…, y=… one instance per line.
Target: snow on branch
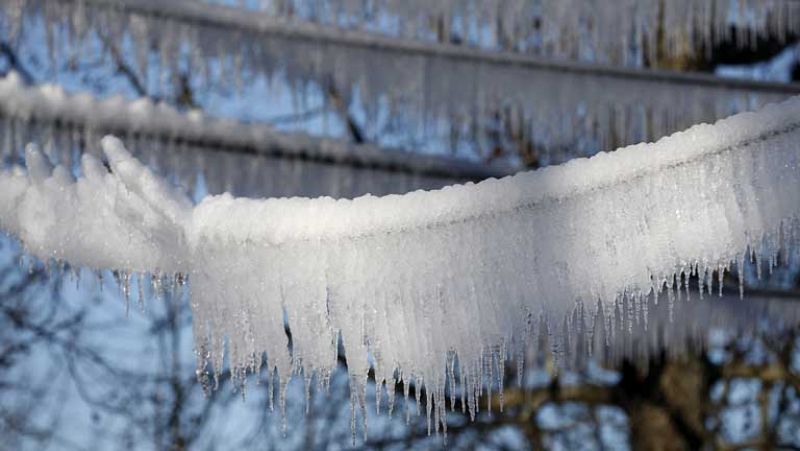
x=434, y=287
x=554, y=104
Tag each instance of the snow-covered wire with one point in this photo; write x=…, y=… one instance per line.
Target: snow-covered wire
x=567, y=261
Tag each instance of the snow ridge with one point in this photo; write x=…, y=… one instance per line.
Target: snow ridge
x=438, y=287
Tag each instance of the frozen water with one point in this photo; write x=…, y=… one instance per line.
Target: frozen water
x=129, y=220
x=568, y=29
x=570, y=261
x=441, y=89
x=275, y=163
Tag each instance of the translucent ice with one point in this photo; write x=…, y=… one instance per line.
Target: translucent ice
x=442, y=88
x=477, y=272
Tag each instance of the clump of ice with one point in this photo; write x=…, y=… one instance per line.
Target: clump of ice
x=566, y=261
x=128, y=220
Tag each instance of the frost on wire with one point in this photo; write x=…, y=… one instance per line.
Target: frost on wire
x=429, y=89
x=439, y=288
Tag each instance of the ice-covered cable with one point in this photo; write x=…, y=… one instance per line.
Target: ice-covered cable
x=627, y=32
x=568, y=260
x=427, y=88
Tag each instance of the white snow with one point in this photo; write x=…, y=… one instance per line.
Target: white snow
x=563, y=260
x=429, y=86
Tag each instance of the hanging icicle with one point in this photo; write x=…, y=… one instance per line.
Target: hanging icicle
x=429, y=90
x=552, y=260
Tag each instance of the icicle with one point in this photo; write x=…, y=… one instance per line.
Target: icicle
x=464, y=379
x=758, y=265
x=363, y=406
x=437, y=400
x=140, y=287
x=501, y=362
x=283, y=384
x=451, y=375
x=406, y=387
x=489, y=362
x=307, y=393
x=700, y=281
x=203, y=357
x=76, y=277
x=390, y=394
x=378, y=384
x=671, y=303
x=599, y=334
x=428, y=407
x=271, y=387
x=740, y=274
x=472, y=394
x=126, y=296
x=353, y=408
x=418, y=383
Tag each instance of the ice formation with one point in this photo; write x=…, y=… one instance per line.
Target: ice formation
x=430, y=89
x=181, y=143
x=438, y=288
x=569, y=29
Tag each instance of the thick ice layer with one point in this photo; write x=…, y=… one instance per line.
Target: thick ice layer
x=562, y=261
x=481, y=270
x=431, y=90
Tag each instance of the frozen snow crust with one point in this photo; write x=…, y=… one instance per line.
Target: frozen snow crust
x=438, y=287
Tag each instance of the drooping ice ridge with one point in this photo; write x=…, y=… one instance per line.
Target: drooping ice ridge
x=440, y=288
x=430, y=90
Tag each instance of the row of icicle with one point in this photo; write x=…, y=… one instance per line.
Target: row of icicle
x=486, y=106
